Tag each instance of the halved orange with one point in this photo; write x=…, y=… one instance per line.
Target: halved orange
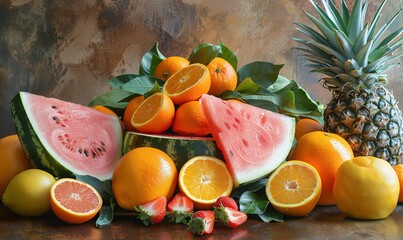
x=204, y=179
x=129, y=110
x=154, y=115
x=294, y=188
x=74, y=201
x=188, y=84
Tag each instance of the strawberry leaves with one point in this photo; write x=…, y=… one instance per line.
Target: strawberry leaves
x=180, y=209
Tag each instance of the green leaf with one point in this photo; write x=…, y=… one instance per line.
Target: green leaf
x=262, y=73
x=247, y=86
x=252, y=203
x=118, y=81
x=229, y=56
x=105, y=217
x=150, y=60
x=204, y=53
x=271, y=215
x=253, y=187
x=155, y=89
x=279, y=84
x=142, y=84
x=112, y=99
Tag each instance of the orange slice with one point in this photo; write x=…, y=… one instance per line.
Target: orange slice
x=188, y=84
x=204, y=179
x=154, y=115
x=294, y=188
x=74, y=201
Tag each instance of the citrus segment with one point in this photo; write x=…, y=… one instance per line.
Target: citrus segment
x=326, y=152
x=12, y=160
x=204, y=179
x=142, y=175
x=190, y=120
x=223, y=76
x=154, y=115
x=74, y=201
x=129, y=110
x=188, y=84
x=294, y=188
x=169, y=66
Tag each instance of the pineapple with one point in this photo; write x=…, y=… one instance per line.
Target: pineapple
x=353, y=58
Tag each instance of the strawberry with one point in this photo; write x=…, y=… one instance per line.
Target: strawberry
x=202, y=222
x=180, y=208
x=226, y=202
x=232, y=218
x=153, y=211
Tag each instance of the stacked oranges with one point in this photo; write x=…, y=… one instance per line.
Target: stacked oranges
x=177, y=107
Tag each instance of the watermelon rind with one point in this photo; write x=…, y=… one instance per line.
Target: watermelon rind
x=40, y=153
x=179, y=148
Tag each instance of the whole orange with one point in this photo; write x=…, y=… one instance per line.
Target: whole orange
x=12, y=160
x=142, y=175
x=399, y=172
x=129, y=110
x=306, y=125
x=326, y=152
x=169, y=66
x=190, y=120
x=223, y=76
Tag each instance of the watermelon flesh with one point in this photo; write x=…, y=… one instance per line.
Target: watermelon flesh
x=253, y=141
x=67, y=139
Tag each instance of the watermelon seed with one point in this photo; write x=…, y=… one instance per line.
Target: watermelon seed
x=54, y=107
x=103, y=144
x=80, y=150
x=86, y=152
x=55, y=118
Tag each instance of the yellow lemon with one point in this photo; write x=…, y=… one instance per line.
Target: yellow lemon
x=28, y=193
x=366, y=188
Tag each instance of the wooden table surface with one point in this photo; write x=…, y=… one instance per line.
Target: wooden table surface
x=322, y=223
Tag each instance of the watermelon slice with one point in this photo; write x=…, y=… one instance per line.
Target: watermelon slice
x=67, y=139
x=253, y=141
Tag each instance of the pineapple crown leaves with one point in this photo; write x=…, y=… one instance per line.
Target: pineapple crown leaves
x=344, y=44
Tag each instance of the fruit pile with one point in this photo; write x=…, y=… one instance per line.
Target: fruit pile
x=198, y=141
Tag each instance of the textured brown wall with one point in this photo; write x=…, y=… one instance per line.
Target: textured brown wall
x=68, y=49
